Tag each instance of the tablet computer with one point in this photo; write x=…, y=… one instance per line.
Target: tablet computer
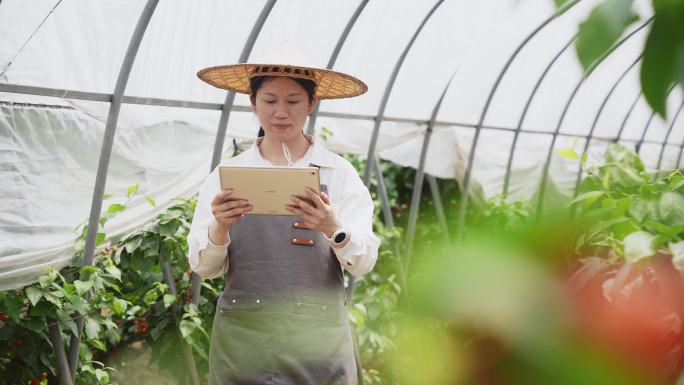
x=269, y=189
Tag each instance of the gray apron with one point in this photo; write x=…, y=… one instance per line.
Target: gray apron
x=281, y=319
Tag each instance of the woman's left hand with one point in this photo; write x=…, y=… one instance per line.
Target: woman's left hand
x=315, y=211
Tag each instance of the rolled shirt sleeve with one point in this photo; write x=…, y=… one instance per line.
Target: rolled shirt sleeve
x=206, y=258
x=355, y=212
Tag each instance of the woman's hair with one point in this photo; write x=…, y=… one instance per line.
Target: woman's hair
x=257, y=81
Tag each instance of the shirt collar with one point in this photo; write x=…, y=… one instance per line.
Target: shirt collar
x=320, y=156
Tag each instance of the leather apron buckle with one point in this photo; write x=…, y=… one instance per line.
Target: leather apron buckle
x=300, y=225
x=303, y=241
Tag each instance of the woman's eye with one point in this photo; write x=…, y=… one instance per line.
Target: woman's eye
x=293, y=101
x=269, y=101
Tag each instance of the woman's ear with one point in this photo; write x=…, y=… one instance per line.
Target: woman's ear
x=312, y=104
x=252, y=101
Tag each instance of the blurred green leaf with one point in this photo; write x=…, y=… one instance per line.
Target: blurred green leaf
x=663, y=63
x=602, y=29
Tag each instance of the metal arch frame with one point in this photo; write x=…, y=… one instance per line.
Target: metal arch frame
x=388, y=90
x=471, y=157
x=667, y=137
x=523, y=115
x=588, y=72
x=627, y=115
x=580, y=171
x=225, y=116
x=648, y=123
x=418, y=181
x=335, y=54
x=679, y=157
x=102, y=170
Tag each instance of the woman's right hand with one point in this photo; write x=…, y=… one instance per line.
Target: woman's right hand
x=226, y=212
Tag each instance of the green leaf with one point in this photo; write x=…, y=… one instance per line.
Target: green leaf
x=102, y=376
x=114, y=271
x=187, y=327
x=82, y=286
x=34, y=294
x=13, y=305
x=150, y=200
x=568, y=153
x=151, y=297
x=663, y=54
x=115, y=208
x=169, y=300
x=132, y=189
x=98, y=344
x=92, y=328
x=671, y=208
x=100, y=237
x=170, y=228
x=638, y=245
x=604, y=26
x=589, y=197
x=119, y=306
x=45, y=281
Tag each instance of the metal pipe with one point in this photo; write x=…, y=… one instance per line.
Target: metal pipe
x=196, y=280
x=460, y=215
x=667, y=136
x=105, y=155
x=333, y=57
x=679, y=157
x=585, y=76
x=71, y=94
x=627, y=115
x=63, y=371
x=439, y=207
x=523, y=115
x=598, y=115
x=388, y=90
x=648, y=123
x=418, y=181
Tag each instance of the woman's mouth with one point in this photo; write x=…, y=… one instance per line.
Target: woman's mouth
x=281, y=126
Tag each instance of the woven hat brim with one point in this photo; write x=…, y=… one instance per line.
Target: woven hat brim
x=330, y=84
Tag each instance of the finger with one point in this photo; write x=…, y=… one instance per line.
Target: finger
x=304, y=204
x=233, y=204
x=221, y=196
x=314, y=197
x=325, y=198
x=306, y=217
x=235, y=212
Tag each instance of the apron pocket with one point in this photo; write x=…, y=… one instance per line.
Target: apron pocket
x=310, y=350
x=242, y=347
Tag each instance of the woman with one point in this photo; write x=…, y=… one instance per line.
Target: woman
x=281, y=318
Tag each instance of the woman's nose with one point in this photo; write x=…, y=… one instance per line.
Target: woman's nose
x=280, y=110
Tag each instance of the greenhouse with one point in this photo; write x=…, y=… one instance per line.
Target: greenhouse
x=523, y=157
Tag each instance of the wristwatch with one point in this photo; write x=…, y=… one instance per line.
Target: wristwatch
x=338, y=237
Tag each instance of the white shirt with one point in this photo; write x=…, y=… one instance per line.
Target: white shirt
x=349, y=198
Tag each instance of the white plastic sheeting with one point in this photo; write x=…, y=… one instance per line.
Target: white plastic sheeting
x=49, y=155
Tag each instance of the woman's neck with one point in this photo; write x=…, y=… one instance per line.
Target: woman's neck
x=272, y=149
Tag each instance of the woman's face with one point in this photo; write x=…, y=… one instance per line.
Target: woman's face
x=282, y=105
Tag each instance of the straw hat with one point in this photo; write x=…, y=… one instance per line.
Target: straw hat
x=288, y=62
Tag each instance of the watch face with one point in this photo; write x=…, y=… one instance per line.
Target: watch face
x=339, y=238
